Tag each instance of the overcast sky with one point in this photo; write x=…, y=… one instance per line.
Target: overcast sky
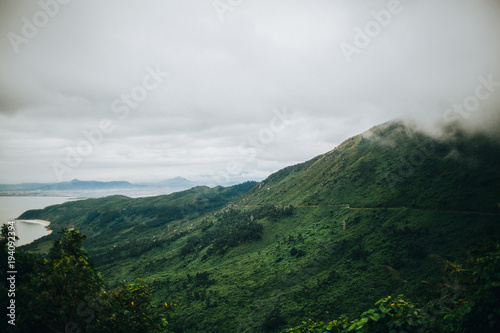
x=150, y=90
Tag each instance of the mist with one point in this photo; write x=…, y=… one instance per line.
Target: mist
x=150, y=90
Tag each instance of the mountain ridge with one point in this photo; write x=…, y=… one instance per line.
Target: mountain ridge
x=367, y=154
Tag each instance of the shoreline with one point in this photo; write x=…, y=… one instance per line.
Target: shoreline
x=44, y=223
x=35, y=221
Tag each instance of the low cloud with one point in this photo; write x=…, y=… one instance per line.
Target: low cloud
x=226, y=76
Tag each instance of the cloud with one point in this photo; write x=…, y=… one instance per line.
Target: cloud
x=225, y=79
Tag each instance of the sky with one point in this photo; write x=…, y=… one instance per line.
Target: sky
x=229, y=90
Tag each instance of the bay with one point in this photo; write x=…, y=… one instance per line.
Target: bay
x=13, y=207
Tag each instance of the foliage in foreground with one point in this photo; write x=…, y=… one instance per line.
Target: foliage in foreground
x=469, y=302
x=64, y=293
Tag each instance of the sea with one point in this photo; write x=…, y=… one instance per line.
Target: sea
x=12, y=207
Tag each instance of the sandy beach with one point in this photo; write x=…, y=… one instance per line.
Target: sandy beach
x=47, y=223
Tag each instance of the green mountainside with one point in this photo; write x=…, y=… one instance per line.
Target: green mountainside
x=323, y=238
x=394, y=166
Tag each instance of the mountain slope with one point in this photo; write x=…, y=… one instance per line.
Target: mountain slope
x=394, y=166
x=326, y=237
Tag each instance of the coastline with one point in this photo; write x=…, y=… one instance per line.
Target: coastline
x=35, y=221
x=43, y=223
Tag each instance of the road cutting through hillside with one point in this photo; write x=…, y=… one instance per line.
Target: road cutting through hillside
x=347, y=206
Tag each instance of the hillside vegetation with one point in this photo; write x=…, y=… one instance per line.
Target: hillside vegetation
x=394, y=166
x=329, y=237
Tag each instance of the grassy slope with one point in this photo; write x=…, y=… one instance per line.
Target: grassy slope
x=323, y=260
x=392, y=166
x=117, y=218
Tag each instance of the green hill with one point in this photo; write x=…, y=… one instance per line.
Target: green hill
x=394, y=166
x=316, y=240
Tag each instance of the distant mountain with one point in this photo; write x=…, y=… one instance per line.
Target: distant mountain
x=20, y=187
x=76, y=186
x=177, y=182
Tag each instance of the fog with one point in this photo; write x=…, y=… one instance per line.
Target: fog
x=150, y=90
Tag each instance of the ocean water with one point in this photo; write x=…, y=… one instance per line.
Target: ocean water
x=13, y=207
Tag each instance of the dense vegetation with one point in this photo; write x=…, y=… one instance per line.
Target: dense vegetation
x=313, y=242
x=467, y=301
x=394, y=166
x=63, y=292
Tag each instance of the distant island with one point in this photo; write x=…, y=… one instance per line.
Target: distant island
x=78, y=187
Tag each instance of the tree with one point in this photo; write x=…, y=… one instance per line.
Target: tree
x=65, y=284
x=128, y=309
x=65, y=293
